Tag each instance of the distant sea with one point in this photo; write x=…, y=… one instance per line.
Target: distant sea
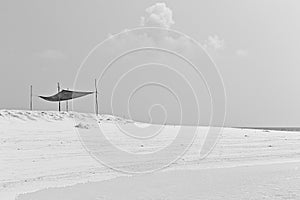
x=273, y=128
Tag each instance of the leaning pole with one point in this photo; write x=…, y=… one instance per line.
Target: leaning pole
x=30, y=97
x=96, y=98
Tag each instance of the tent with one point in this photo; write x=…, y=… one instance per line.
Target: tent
x=65, y=95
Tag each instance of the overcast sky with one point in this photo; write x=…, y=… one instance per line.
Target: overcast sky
x=255, y=44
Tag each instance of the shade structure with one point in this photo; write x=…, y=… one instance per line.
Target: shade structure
x=65, y=95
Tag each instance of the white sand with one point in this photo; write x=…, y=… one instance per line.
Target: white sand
x=273, y=181
x=41, y=149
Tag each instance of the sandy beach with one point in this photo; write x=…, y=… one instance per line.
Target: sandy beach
x=149, y=100
x=41, y=150
x=272, y=181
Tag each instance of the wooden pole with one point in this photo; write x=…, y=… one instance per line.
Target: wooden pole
x=67, y=105
x=58, y=89
x=30, y=97
x=96, y=97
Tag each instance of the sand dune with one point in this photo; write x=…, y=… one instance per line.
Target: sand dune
x=41, y=150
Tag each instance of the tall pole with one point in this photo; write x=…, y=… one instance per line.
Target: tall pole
x=30, y=97
x=96, y=97
x=67, y=105
x=58, y=89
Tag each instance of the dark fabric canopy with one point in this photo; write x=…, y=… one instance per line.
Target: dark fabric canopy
x=65, y=95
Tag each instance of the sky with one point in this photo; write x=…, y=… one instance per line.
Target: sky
x=254, y=44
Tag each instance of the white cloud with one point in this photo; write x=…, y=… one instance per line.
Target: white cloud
x=158, y=15
x=215, y=42
x=51, y=54
x=241, y=53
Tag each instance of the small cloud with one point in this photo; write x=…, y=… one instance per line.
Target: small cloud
x=158, y=15
x=241, y=53
x=51, y=54
x=215, y=42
